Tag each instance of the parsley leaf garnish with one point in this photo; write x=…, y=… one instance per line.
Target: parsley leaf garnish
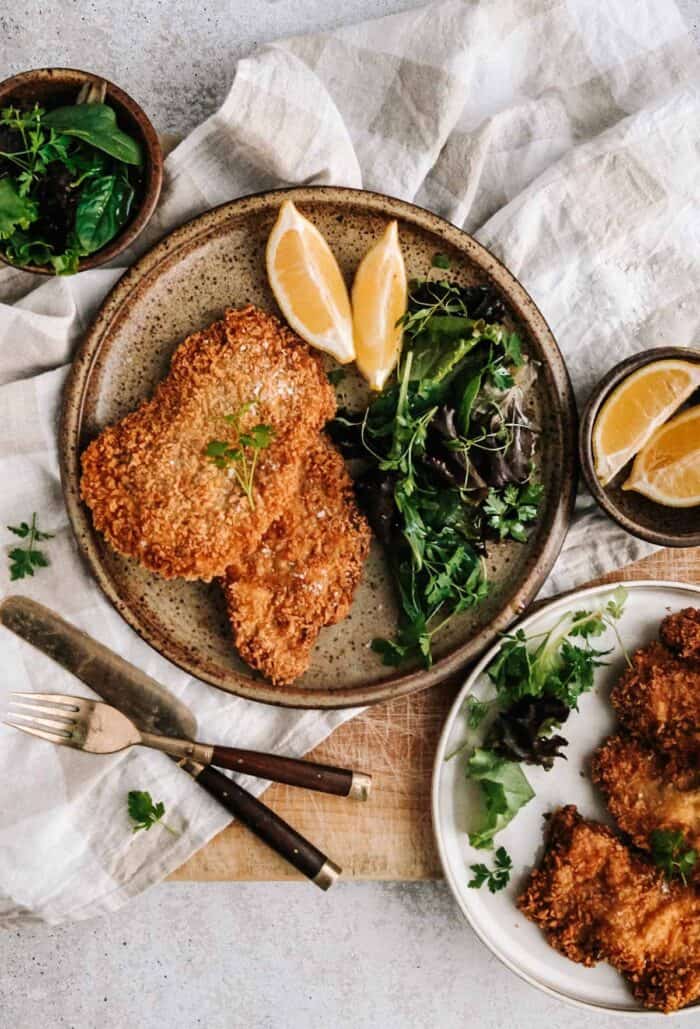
x=144, y=813
x=670, y=852
x=496, y=878
x=441, y=261
x=23, y=560
x=241, y=456
x=509, y=510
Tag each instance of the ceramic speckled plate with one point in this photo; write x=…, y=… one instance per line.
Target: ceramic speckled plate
x=518, y=943
x=215, y=261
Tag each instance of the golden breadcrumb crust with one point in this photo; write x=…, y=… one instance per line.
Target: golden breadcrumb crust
x=595, y=900
x=681, y=632
x=304, y=573
x=152, y=491
x=658, y=699
x=644, y=791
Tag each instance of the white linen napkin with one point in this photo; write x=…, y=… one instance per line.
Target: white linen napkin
x=561, y=132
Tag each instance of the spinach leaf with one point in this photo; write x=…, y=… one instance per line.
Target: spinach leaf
x=21, y=249
x=103, y=208
x=504, y=790
x=16, y=212
x=96, y=124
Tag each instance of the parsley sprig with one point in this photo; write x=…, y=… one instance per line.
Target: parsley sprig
x=144, y=813
x=241, y=456
x=511, y=509
x=23, y=560
x=671, y=853
x=496, y=878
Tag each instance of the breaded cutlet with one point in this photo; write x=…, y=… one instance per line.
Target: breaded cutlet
x=644, y=791
x=681, y=633
x=303, y=574
x=658, y=700
x=597, y=901
x=152, y=490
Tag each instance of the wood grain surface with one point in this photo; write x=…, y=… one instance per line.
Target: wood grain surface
x=390, y=836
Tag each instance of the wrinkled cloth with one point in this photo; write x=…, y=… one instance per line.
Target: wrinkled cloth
x=562, y=133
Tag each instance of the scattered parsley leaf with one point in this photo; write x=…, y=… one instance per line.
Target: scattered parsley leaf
x=23, y=560
x=496, y=878
x=441, y=261
x=336, y=375
x=670, y=852
x=144, y=813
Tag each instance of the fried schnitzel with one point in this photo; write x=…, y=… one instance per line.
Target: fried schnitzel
x=644, y=791
x=595, y=900
x=304, y=573
x=153, y=492
x=658, y=699
x=681, y=632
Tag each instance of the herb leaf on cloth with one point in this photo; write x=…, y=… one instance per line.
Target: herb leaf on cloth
x=24, y=560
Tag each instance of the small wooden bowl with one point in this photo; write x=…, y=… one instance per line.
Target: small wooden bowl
x=55, y=87
x=666, y=526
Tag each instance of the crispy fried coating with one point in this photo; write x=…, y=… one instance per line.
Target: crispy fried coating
x=644, y=791
x=658, y=700
x=681, y=633
x=304, y=573
x=152, y=491
x=595, y=900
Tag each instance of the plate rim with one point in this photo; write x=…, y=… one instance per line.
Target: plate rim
x=115, y=305
x=438, y=764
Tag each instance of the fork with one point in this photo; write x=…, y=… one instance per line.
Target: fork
x=99, y=728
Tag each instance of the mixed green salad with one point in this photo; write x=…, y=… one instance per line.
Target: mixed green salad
x=536, y=682
x=67, y=183
x=448, y=453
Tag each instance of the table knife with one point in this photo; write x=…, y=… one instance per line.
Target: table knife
x=155, y=710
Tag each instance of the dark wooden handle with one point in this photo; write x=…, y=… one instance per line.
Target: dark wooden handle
x=307, y=774
x=272, y=829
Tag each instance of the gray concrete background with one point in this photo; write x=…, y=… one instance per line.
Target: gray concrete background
x=255, y=956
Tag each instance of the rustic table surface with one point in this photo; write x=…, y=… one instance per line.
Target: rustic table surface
x=391, y=836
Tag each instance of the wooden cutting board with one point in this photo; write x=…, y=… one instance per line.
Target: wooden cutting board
x=390, y=837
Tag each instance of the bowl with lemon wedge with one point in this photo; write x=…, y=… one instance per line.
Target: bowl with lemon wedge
x=448, y=404
x=639, y=445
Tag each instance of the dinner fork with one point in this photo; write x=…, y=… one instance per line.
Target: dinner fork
x=99, y=728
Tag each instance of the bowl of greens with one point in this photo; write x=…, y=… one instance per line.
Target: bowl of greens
x=81, y=170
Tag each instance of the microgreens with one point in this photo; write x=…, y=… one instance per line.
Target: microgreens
x=241, y=456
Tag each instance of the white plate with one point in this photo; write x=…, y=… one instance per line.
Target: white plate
x=494, y=917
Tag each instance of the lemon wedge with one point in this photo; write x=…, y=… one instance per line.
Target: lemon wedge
x=667, y=468
x=378, y=302
x=635, y=410
x=308, y=284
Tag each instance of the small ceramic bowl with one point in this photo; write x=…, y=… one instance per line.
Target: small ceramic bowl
x=666, y=526
x=56, y=87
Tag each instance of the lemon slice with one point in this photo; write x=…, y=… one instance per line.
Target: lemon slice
x=667, y=468
x=308, y=285
x=378, y=301
x=636, y=409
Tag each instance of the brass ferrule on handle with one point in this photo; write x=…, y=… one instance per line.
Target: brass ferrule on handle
x=360, y=786
x=200, y=753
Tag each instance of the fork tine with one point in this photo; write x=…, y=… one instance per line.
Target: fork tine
x=60, y=728
x=56, y=698
x=51, y=737
x=60, y=714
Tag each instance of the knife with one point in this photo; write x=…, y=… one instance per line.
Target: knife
x=155, y=710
